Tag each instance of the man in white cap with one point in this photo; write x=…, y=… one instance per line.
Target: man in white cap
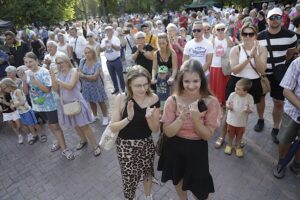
x=281, y=45
x=111, y=45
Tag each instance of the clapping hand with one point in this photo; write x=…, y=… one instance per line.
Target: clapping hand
x=130, y=110
x=149, y=112
x=193, y=107
x=253, y=51
x=183, y=110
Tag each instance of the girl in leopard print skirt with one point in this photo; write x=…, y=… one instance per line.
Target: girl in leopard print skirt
x=135, y=117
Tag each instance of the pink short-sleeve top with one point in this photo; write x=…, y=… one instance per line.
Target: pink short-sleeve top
x=210, y=118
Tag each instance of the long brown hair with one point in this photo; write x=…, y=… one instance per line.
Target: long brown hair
x=192, y=66
x=133, y=73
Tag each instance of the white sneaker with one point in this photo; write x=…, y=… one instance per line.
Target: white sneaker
x=105, y=121
x=29, y=137
x=20, y=139
x=148, y=197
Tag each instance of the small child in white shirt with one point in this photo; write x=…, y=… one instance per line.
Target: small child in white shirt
x=239, y=105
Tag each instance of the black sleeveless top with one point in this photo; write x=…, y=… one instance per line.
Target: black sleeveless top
x=138, y=128
x=160, y=61
x=5, y=108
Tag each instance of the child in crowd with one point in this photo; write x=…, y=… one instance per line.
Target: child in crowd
x=10, y=115
x=239, y=105
x=162, y=86
x=20, y=103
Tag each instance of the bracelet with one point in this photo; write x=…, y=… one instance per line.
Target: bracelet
x=128, y=119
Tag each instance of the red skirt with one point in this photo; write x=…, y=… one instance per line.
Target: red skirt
x=218, y=82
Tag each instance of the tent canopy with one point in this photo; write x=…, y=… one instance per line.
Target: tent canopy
x=5, y=24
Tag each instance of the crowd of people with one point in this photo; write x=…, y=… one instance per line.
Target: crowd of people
x=170, y=75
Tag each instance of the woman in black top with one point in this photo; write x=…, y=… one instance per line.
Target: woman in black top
x=261, y=25
x=165, y=55
x=135, y=117
x=142, y=53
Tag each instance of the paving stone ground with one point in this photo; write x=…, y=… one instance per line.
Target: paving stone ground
x=33, y=173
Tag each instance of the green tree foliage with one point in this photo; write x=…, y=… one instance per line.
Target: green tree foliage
x=23, y=12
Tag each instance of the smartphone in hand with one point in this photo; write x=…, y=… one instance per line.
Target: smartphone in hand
x=202, y=106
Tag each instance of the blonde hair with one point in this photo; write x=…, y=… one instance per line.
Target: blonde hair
x=93, y=50
x=8, y=82
x=165, y=36
x=64, y=58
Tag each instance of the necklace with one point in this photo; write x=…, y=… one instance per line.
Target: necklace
x=140, y=103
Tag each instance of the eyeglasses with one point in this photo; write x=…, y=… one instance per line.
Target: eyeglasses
x=197, y=30
x=140, y=86
x=275, y=17
x=89, y=36
x=220, y=29
x=59, y=63
x=251, y=34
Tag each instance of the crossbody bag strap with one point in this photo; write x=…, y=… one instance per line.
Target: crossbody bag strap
x=251, y=62
x=269, y=49
x=129, y=43
x=150, y=39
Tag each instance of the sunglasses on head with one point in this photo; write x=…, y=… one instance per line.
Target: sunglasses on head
x=197, y=30
x=220, y=29
x=277, y=17
x=248, y=34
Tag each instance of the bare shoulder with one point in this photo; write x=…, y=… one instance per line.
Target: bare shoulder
x=153, y=99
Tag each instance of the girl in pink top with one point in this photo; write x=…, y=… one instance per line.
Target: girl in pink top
x=189, y=120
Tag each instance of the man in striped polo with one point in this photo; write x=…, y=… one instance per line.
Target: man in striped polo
x=281, y=47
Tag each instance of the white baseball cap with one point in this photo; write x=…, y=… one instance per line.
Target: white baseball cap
x=274, y=11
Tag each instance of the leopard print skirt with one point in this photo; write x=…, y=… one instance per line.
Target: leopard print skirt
x=136, y=158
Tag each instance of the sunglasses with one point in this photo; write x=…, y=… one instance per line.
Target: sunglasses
x=139, y=38
x=275, y=17
x=89, y=36
x=244, y=34
x=220, y=29
x=197, y=30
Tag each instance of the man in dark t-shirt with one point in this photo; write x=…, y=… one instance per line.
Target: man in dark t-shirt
x=282, y=47
x=17, y=49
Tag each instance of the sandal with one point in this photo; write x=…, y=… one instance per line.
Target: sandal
x=97, y=151
x=33, y=140
x=68, y=154
x=43, y=138
x=81, y=145
x=54, y=147
x=219, y=142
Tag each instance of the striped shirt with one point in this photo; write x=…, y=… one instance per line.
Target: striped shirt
x=291, y=81
x=280, y=43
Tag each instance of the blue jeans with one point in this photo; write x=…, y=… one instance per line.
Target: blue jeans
x=115, y=69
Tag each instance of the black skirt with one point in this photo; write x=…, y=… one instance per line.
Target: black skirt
x=255, y=91
x=188, y=160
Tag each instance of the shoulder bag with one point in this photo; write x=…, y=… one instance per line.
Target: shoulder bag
x=162, y=137
x=70, y=109
x=108, y=138
x=264, y=81
x=225, y=62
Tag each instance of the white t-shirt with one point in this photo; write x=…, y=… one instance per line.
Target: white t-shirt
x=220, y=48
x=238, y=117
x=110, y=53
x=79, y=47
x=52, y=58
x=198, y=50
x=63, y=49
